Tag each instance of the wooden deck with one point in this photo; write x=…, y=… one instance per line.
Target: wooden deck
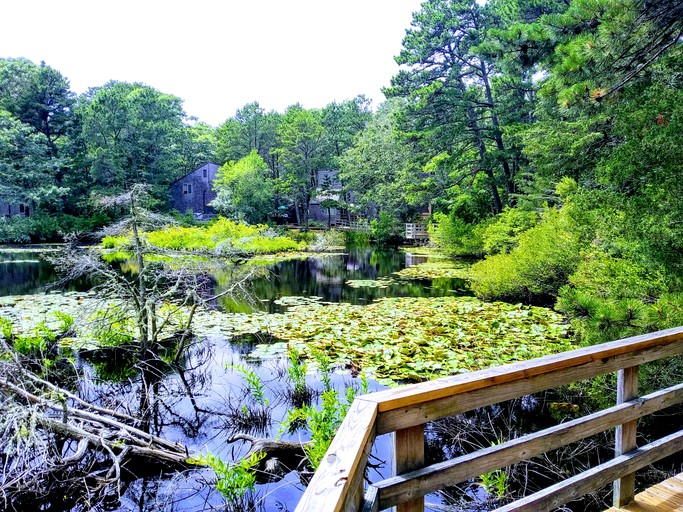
x=664, y=497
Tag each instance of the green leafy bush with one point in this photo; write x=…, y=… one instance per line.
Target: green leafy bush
x=598, y=320
x=30, y=345
x=545, y=257
x=357, y=238
x=6, y=328
x=457, y=237
x=501, y=236
x=387, y=229
x=222, y=236
x=112, y=242
x=43, y=227
x=36, y=344
x=612, y=277
x=329, y=241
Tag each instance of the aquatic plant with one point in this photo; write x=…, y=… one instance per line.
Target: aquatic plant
x=436, y=269
x=496, y=483
x=322, y=423
x=299, y=393
x=255, y=385
x=6, y=328
x=412, y=339
x=66, y=321
x=324, y=362
x=233, y=481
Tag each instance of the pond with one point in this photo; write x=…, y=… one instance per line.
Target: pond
x=200, y=399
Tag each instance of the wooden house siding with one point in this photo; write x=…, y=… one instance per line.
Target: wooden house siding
x=194, y=191
x=13, y=209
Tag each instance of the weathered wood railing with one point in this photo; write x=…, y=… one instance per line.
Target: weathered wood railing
x=338, y=483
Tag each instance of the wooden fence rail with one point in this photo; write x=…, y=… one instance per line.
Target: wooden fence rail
x=338, y=483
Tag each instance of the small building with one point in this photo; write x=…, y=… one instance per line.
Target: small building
x=13, y=209
x=194, y=191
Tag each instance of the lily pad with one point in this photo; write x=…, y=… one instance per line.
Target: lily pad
x=448, y=269
x=383, y=282
x=400, y=339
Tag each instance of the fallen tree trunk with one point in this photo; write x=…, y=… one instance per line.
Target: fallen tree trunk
x=100, y=427
x=56, y=444
x=281, y=457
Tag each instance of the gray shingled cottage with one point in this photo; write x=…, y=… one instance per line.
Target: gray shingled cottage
x=194, y=191
x=13, y=209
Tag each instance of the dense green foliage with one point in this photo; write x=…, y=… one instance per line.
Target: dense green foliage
x=60, y=153
x=221, y=236
x=562, y=119
x=244, y=191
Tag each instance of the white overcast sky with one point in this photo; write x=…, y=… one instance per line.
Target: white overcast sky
x=217, y=55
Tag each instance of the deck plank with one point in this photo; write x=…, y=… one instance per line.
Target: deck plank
x=666, y=496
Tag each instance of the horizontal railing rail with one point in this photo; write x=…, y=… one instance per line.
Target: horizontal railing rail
x=338, y=483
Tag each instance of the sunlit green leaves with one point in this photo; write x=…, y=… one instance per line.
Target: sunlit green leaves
x=399, y=339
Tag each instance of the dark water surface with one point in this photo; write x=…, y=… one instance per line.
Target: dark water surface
x=198, y=399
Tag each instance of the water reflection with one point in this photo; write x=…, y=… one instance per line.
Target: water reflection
x=327, y=277
x=23, y=271
x=191, y=399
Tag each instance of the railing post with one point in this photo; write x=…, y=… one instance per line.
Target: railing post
x=409, y=454
x=625, y=439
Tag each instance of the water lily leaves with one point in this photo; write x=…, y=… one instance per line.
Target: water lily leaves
x=409, y=338
x=297, y=301
x=383, y=282
x=436, y=270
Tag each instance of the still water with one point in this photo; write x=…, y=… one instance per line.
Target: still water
x=199, y=400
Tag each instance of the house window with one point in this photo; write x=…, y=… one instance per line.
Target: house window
x=206, y=173
x=187, y=188
x=21, y=208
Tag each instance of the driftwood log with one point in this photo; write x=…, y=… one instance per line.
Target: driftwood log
x=56, y=444
x=281, y=457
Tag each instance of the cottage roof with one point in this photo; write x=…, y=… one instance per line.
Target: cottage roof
x=193, y=170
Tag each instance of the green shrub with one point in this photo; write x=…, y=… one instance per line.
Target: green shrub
x=261, y=245
x=222, y=236
x=181, y=238
x=111, y=242
x=598, y=320
x=386, y=229
x=357, y=238
x=457, y=237
x=498, y=278
x=6, y=328
x=30, y=345
x=302, y=236
x=329, y=241
x=610, y=277
x=501, y=236
x=545, y=257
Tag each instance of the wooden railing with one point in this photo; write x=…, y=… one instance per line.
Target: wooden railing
x=417, y=231
x=338, y=483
